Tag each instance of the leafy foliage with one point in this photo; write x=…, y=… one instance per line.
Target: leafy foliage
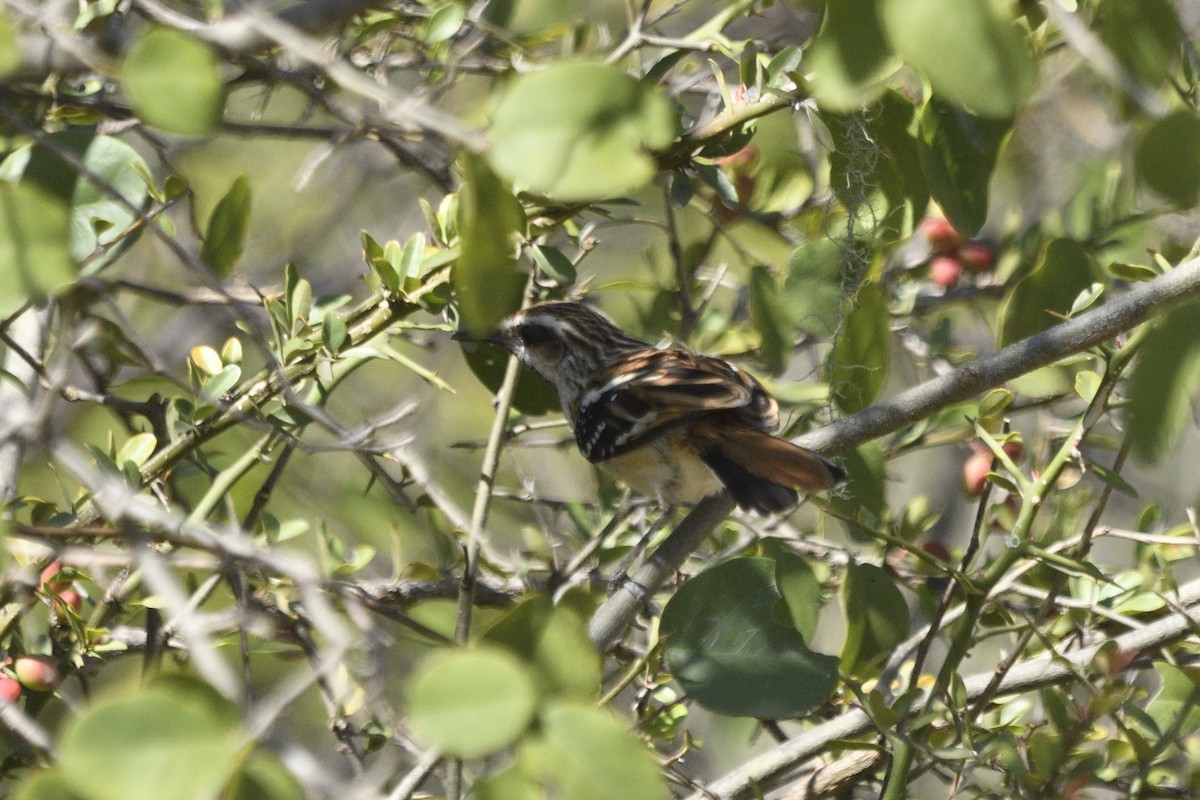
x=265, y=537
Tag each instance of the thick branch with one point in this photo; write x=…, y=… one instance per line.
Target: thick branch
x=1143, y=301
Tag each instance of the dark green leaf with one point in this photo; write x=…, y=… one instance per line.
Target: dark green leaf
x=860, y=355
x=174, y=737
x=850, y=57
x=876, y=619
x=225, y=235
x=172, y=82
x=1165, y=377
x=579, y=131
x=957, y=153
x=971, y=51
x=470, y=703
x=486, y=280
x=554, y=264
x=34, y=237
x=333, y=331
x=801, y=592
x=215, y=387
x=1134, y=273
x=1113, y=479
x=1144, y=35
x=770, y=318
x=863, y=496
x=727, y=650
x=1168, y=158
x=1044, y=296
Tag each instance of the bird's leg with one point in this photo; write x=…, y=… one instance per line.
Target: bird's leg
x=622, y=573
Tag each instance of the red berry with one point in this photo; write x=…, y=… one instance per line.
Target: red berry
x=1014, y=450
x=37, y=673
x=936, y=549
x=945, y=271
x=975, y=470
x=977, y=256
x=10, y=689
x=67, y=598
x=940, y=234
x=47, y=579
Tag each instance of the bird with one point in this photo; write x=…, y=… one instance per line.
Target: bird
x=669, y=423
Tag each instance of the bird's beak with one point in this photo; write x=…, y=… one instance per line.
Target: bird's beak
x=467, y=336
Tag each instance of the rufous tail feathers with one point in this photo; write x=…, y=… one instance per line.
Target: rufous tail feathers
x=762, y=472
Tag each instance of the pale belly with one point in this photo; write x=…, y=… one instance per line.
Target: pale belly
x=680, y=477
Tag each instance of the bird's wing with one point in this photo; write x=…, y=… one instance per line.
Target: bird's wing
x=647, y=395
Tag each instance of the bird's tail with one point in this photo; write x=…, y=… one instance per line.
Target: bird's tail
x=762, y=472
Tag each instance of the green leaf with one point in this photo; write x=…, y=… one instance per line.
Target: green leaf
x=10, y=48
x=812, y=291
x=850, y=57
x=801, y=592
x=215, y=387
x=957, y=152
x=860, y=355
x=971, y=51
x=554, y=264
x=729, y=652
x=1178, y=696
x=1134, y=273
x=863, y=496
x=509, y=784
x=173, y=83
x=876, y=619
x=486, y=281
x=96, y=217
x=263, y=777
x=770, y=318
x=225, y=235
x=137, y=449
x=1165, y=377
x=470, y=703
x=174, y=737
x=46, y=784
x=1168, y=158
x=583, y=753
x=579, y=131
x=34, y=234
x=333, y=331
x=553, y=640
x=444, y=22
x=1045, y=296
x=1144, y=35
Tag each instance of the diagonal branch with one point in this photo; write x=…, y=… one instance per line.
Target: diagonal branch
x=1142, y=302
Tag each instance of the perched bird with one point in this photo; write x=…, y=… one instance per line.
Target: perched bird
x=668, y=423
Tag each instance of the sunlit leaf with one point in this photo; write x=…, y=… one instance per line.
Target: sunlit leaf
x=173, y=83
x=579, y=131
x=470, y=703
x=971, y=51
x=850, y=57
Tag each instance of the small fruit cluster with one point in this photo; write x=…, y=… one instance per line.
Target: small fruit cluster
x=952, y=254
x=40, y=673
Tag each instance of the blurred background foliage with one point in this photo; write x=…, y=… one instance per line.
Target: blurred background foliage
x=249, y=554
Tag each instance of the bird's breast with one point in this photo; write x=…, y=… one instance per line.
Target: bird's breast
x=667, y=468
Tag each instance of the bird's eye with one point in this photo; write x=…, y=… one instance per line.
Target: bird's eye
x=534, y=335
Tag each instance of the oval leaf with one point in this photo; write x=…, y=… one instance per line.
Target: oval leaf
x=1168, y=158
x=957, y=152
x=554, y=641
x=173, y=83
x=470, y=703
x=1166, y=374
x=579, y=132
x=860, y=356
x=850, y=57
x=876, y=619
x=225, y=235
x=727, y=649
x=585, y=754
x=176, y=737
x=1046, y=295
x=971, y=51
